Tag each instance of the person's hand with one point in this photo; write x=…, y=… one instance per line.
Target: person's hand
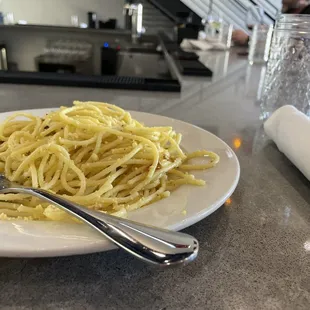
x=240, y=37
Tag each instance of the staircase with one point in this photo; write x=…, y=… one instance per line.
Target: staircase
x=161, y=14
x=154, y=20
x=234, y=11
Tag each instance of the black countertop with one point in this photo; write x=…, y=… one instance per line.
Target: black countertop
x=96, y=81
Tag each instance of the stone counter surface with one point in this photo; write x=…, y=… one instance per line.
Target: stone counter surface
x=254, y=251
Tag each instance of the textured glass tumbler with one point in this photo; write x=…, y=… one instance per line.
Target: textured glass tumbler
x=225, y=35
x=288, y=72
x=260, y=44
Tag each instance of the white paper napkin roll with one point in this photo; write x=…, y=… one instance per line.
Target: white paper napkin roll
x=290, y=130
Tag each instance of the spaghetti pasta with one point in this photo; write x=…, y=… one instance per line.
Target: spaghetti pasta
x=94, y=154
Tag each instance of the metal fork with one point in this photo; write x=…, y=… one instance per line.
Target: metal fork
x=151, y=244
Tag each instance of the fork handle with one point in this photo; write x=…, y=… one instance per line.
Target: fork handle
x=151, y=244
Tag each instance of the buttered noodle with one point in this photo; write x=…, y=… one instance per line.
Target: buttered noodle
x=93, y=154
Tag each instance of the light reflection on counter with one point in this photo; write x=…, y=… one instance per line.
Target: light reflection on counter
x=228, y=202
x=254, y=81
x=217, y=62
x=237, y=143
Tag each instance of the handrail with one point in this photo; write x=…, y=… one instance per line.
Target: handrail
x=267, y=14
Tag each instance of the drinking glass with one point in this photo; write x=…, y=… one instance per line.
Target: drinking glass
x=74, y=21
x=288, y=72
x=260, y=44
x=9, y=19
x=212, y=25
x=225, y=35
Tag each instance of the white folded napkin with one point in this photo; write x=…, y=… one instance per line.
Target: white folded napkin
x=202, y=45
x=290, y=130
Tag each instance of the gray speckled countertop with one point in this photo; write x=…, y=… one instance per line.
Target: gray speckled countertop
x=255, y=250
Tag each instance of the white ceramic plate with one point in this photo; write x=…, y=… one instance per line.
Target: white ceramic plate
x=39, y=239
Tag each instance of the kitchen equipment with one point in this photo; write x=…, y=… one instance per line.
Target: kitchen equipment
x=109, y=60
x=193, y=68
x=109, y=24
x=92, y=20
x=151, y=244
x=133, y=15
x=185, y=29
x=3, y=58
x=96, y=81
x=287, y=78
x=66, y=56
x=59, y=64
x=183, y=55
x=127, y=12
x=186, y=33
